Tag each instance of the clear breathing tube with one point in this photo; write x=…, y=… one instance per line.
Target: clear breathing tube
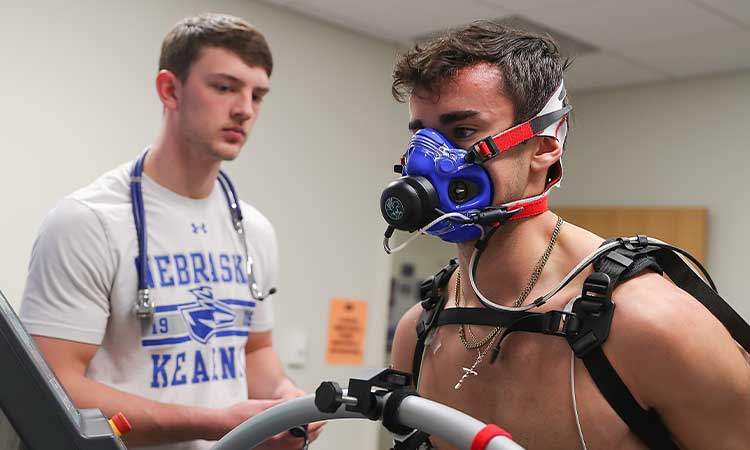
x=474, y=263
x=454, y=216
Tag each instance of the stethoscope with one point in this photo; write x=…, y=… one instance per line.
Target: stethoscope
x=144, y=307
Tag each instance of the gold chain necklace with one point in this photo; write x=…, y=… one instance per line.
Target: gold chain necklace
x=472, y=370
x=487, y=340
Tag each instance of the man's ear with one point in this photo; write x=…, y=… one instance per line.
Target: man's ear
x=167, y=88
x=547, y=152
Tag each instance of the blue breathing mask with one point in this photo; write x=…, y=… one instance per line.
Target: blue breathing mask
x=436, y=181
x=446, y=192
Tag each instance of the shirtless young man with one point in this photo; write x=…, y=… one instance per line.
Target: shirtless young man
x=672, y=354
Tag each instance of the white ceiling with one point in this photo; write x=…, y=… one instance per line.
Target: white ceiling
x=633, y=41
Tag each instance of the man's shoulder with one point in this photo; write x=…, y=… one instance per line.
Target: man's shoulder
x=664, y=343
x=254, y=219
x=109, y=186
x=91, y=203
x=652, y=302
x=662, y=330
x=405, y=339
x=651, y=310
x=406, y=329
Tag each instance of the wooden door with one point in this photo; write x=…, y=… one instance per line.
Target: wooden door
x=683, y=227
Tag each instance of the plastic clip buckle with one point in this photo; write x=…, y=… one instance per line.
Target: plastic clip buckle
x=558, y=323
x=594, y=311
x=640, y=242
x=482, y=153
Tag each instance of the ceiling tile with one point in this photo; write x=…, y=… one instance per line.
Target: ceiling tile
x=613, y=24
x=278, y=2
x=637, y=40
x=737, y=10
x=524, y=6
x=696, y=54
x=397, y=20
x=600, y=70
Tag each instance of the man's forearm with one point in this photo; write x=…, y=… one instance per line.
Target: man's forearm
x=153, y=422
x=265, y=376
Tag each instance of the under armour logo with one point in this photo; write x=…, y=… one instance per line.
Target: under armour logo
x=199, y=228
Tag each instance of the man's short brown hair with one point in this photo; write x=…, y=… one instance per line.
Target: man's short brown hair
x=183, y=44
x=530, y=64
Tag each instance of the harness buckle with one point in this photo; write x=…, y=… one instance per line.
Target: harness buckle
x=426, y=321
x=425, y=293
x=597, y=285
x=585, y=344
x=422, y=327
x=641, y=242
x=571, y=324
x=593, y=312
x=430, y=309
x=559, y=323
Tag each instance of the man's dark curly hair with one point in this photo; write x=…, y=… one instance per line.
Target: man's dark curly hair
x=530, y=64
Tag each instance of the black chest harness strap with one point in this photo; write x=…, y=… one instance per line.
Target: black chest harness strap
x=586, y=327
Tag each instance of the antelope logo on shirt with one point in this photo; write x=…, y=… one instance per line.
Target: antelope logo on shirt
x=206, y=316
x=200, y=320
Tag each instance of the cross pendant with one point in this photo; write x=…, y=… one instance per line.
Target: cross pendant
x=466, y=374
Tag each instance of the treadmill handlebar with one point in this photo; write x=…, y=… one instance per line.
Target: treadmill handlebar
x=453, y=426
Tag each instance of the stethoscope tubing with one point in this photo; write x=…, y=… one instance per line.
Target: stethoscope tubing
x=139, y=219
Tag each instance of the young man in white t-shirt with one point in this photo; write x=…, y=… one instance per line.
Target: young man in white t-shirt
x=199, y=362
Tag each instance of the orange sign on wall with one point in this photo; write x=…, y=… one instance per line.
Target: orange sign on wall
x=347, y=322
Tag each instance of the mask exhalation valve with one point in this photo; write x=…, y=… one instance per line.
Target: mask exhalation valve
x=409, y=203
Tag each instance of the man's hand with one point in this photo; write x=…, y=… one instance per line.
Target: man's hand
x=238, y=413
x=285, y=440
x=288, y=391
x=269, y=381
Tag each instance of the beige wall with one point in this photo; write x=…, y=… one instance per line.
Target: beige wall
x=78, y=99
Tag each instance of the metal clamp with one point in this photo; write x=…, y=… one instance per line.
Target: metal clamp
x=144, y=307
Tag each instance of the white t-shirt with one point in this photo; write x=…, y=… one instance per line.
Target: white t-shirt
x=82, y=286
